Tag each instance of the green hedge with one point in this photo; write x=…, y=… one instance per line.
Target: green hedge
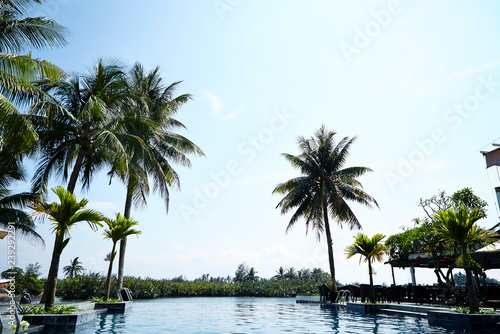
x=85, y=286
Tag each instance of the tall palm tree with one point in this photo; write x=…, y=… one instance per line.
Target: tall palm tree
x=148, y=115
x=324, y=187
x=18, y=72
x=11, y=205
x=118, y=229
x=76, y=128
x=74, y=268
x=369, y=249
x=460, y=228
x=64, y=215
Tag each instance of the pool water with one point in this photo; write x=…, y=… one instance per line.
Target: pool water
x=250, y=315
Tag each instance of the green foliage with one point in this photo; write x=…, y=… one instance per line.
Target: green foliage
x=467, y=310
x=28, y=281
x=39, y=309
x=423, y=239
x=103, y=300
x=87, y=285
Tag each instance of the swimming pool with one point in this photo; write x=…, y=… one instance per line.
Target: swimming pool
x=250, y=315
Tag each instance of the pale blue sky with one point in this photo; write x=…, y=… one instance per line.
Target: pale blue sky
x=417, y=82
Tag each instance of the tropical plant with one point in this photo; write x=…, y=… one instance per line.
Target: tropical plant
x=369, y=249
x=64, y=215
x=11, y=205
x=423, y=239
x=76, y=126
x=74, y=268
x=148, y=115
x=18, y=72
x=324, y=188
x=460, y=228
x=118, y=229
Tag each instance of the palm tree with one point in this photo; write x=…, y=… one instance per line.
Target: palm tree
x=75, y=268
x=460, y=228
x=371, y=250
x=64, y=215
x=324, y=187
x=280, y=274
x=11, y=205
x=75, y=127
x=118, y=229
x=17, y=71
x=149, y=116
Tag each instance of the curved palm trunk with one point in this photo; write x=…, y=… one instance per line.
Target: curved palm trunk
x=474, y=307
x=71, y=188
x=108, y=278
x=372, y=288
x=329, y=241
x=123, y=242
x=76, y=171
x=50, y=287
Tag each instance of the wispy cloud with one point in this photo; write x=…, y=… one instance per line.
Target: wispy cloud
x=473, y=69
x=217, y=106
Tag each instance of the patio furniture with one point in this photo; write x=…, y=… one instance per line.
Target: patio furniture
x=394, y=294
x=355, y=292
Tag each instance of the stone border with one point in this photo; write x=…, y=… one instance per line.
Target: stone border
x=67, y=322
x=460, y=320
x=119, y=307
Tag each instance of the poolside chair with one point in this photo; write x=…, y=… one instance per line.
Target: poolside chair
x=355, y=292
x=365, y=292
x=394, y=294
x=323, y=293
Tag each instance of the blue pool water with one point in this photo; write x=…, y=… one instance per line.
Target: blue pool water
x=250, y=315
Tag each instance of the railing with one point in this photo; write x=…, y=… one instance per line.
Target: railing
x=13, y=305
x=342, y=296
x=124, y=295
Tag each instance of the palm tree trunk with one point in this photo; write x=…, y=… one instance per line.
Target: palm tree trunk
x=123, y=242
x=108, y=278
x=372, y=288
x=76, y=171
x=50, y=288
x=330, y=245
x=474, y=306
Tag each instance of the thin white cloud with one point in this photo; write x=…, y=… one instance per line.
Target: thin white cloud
x=474, y=69
x=217, y=106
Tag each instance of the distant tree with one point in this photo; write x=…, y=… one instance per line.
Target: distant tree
x=252, y=275
x=241, y=273
x=33, y=269
x=280, y=274
x=290, y=274
x=74, y=268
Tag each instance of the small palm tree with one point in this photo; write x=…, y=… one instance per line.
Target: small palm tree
x=64, y=215
x=75, y=268
x=118, y=229
x=460, y=228
x=324, y=187
x=371, y=250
